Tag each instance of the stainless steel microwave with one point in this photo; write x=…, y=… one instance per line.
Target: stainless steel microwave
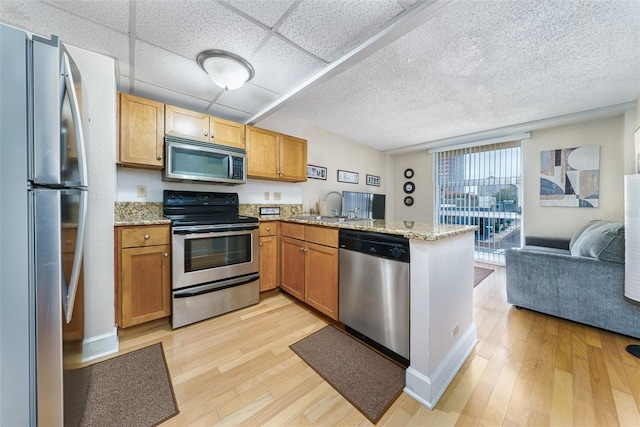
x=203, y=162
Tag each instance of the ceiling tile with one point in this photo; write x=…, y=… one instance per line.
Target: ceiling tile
x=266, y=12
x=279, y=66
x=228, y=113
x=202, y=25
x=169, y=96
x=112, y=14
x=249, y=98
x=44, y=20
x=328, y=28
x=162, y=68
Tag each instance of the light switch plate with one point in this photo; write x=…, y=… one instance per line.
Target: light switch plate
x=142, y=191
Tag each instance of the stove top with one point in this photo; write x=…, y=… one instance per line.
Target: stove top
x=203, y=208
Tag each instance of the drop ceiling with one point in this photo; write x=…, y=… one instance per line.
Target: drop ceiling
x=385, y=73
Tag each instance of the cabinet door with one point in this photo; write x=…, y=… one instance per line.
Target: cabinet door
x=321, y=279
x=141, y=132
x=145, y=284
x=262, y=153
x=293, y=158
x=268, y=263
x=292, y=266
x=226, y=132
x=186, y=123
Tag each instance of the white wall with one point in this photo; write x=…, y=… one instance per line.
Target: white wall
x=99, y=105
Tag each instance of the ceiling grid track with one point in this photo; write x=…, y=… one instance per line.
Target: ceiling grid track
x=132, y=45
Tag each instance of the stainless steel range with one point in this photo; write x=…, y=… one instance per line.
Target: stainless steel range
x=215, y=251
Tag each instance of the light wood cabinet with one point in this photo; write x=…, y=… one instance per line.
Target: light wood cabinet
x=203, y=127
x=275, y=156
x=309, y=265
x=141, y=135
x=143, y=288
x=269, y=266
x=74, y=330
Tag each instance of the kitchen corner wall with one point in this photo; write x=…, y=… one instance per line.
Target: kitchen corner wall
x=99, y=121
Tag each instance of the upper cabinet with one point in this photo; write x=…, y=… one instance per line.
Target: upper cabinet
x=141, y=132
x=202, y=127
x=271, y=155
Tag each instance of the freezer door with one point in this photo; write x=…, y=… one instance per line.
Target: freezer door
x=58, y=152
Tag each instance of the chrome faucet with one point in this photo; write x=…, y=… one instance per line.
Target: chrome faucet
x=341, y=201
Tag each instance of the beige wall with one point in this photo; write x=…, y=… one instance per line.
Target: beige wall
x=422, y=208
x=333, y=152
x=562, y=221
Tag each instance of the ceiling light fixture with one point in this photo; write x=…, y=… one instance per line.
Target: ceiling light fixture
x=227, y=70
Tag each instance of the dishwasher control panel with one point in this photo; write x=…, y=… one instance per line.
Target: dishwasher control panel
x=375, y=244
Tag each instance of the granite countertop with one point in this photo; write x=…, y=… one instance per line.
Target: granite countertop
x=138, y=213
x=408, y=229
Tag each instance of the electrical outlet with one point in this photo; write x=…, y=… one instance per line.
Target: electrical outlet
x=142, y=191
x=266, y=195
x=277, y=195
x=455, y=330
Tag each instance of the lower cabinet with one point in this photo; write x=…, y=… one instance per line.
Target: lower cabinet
x=309, y=265
x=269, y=267
x=143, y=288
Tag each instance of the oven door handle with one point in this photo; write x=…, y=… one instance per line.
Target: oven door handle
x=213, y=287
x=213, y=230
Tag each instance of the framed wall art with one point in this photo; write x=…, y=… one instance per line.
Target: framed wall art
x=346, y=176
x=316, y=172
x=373, y=180
x=570, y=177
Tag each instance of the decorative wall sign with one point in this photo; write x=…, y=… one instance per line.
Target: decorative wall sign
x=408, y=173
x=570, y=177
x=409, y=187
x=373, y=180
x=346, y=176
x=316, y=172
x=408, y=200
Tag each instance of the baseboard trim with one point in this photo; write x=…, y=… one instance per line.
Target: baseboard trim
x=429, y=389
x=100, y=346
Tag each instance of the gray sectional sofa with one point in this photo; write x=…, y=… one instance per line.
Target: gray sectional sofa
x=579, y=279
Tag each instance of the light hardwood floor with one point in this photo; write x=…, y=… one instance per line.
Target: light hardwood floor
x=527, y=369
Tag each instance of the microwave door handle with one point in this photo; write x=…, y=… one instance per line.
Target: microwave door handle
x=230, y=157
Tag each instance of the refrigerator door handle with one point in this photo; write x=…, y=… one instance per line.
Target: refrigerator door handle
x=74, y=279
x=77, y=122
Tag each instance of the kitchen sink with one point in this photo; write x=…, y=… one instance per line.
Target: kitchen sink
x=325, y=218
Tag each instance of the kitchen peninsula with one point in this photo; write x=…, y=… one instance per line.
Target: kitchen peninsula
x=442, y=332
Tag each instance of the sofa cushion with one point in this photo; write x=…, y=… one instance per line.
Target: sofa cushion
x=576, y=234
x=601, y=240
x=546, y=249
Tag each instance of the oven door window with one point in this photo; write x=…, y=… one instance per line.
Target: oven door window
x=214, y=252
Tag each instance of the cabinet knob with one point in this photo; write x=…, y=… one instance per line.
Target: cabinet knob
x=261, y=244
x=206, y=134
x=268, y=228
x=146, y=237
x=159, y=157
x=166, y=254
x=212, y=136
x=301, y=249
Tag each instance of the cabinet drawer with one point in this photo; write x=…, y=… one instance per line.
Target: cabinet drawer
x=292, y=230
x=321, y=235
x=269, y=228
x=145, y=236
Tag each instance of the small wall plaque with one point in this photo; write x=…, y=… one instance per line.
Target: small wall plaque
x=373, y=180
x=316, y=172
x=346, y=176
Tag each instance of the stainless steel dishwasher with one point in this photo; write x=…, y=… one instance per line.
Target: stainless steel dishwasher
x=374, y=290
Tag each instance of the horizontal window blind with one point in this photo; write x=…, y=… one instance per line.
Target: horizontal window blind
x=481, y=185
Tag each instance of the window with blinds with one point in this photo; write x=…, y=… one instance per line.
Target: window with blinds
x=482, y=186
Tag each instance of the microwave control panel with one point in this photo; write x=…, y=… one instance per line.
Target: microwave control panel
x=238, y=168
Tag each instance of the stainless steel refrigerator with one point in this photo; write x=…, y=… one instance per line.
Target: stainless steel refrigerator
x=43, y=183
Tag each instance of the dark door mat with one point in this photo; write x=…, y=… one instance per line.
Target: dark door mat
x=368, y=380
x=133, y=389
